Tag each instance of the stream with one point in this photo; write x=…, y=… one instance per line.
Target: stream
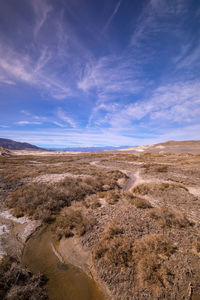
x=65, y=281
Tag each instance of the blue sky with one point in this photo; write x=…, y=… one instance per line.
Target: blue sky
x=93, y=73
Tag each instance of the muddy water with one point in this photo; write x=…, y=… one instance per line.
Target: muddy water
x=66, y=282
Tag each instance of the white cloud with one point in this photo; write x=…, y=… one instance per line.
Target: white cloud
x=189, y=59
x=59, y=124
x=25, y=69
x=6, y=81
x=110, y=75
x=98, y=137
x=178, y=102
x=117, y=6
x=64, y=117
x=149, y=23
x=41, y=9
x=28, y=123
x=25, y=112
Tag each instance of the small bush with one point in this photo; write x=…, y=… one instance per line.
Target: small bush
x=114, y=248
x=92, y=201
x=148, y=188
x=138, y=202
x=38, y=200
x=112, y=197
x=196, y=245
x=169, y=218
x=162, y=169
x=149, y=254
x=70, y=223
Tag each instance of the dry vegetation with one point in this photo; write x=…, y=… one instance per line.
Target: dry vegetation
x=144, y=242
x=113, y=247
x=138, y=201
x=17, y=282
x=149, y=254
x=71, y=222
x=41, y=200
x=169, y=218
x=92, y=201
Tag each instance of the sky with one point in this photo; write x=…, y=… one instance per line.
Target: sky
x=95, y=73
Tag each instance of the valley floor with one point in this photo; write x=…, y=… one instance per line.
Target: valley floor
x=129, y=220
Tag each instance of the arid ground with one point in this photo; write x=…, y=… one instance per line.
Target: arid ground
x=130, y=220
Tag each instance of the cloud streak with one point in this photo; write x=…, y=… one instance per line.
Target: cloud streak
x=64, y=117
x=117, y=6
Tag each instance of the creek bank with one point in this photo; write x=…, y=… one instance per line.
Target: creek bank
x=14, y=232
x=71, y=250
x=65, y=281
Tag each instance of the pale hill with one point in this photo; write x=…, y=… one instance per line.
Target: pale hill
x=170, y=146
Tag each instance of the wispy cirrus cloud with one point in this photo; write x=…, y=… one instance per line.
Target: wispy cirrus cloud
x=59, y=124
x=149, y=21
x=110, y=19
x=65, y=138
x=110, y=74
x=62, y=115
x=28, y=123
x=6, y=81
x=174, y=103
x=136, y=82
x=42, y=10
x=33, y=72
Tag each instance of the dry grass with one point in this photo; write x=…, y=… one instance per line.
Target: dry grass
x=112, y=197
x=114, y=248
x=38, y=200
x=17, y=282
x=71, y=222
x=147, y=188
x=155, y=168
x=196, y=246
x=41, y=200
x=169, y=218
x=138, y=201
x=149, y=255
x=92, y=201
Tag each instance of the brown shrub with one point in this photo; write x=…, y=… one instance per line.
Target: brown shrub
x=17, y=282
x=169, y=218
x=114, y=248
x=196, y=245
x=92, y=201
x=112, y=197
x=38, y=200
x=71, y=222
x=155, y=168
x=162, y=169
x=41, y=200
x=149, y=254
x=112, y=230
x=116, y=251
x=137, y=201
x=147, y=188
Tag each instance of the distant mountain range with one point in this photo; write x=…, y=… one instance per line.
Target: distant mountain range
x=88, y=149
x=13, y=145
x=170, y=146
